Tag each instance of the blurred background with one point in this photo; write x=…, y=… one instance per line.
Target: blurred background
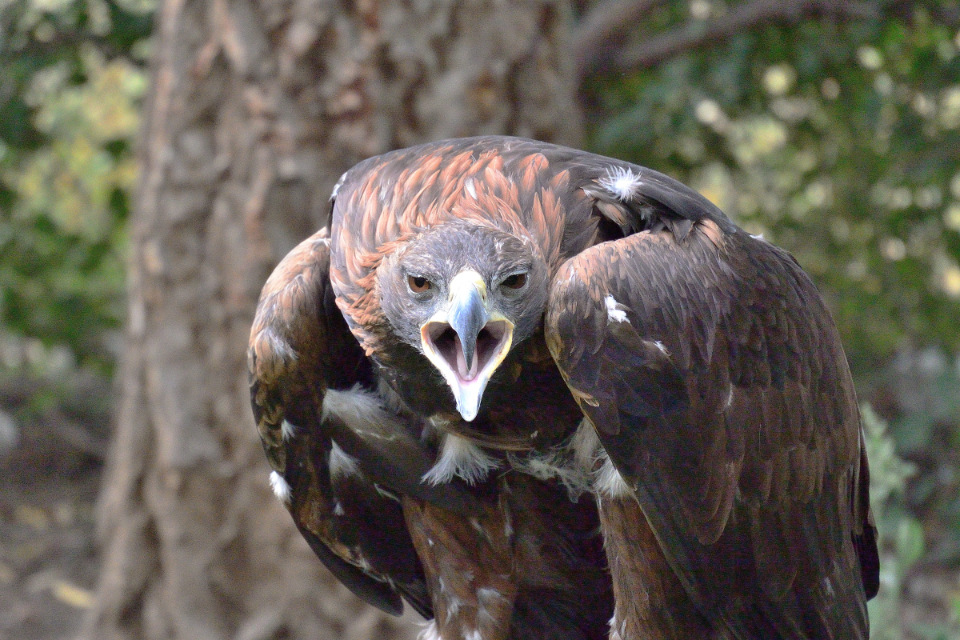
x=157, y=158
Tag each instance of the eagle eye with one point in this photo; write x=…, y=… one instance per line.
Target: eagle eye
x=419, y=284
x=515, y=281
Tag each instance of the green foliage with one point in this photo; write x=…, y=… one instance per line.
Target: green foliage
x=901, y=535
x=902, y=538
x=837, y=140
x=72, y=81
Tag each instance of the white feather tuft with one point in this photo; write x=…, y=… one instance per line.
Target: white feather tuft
x=460, y=458
x=429, y=631
x=280, y=487
x=591, y=456
x=614, y=314
x=362, y=411
x=621, y=182
x=560, y=463
x=287, y=430
x=609, y=482
x=342, y=464
x=586, y=446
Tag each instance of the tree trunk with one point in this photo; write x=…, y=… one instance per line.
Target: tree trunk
x=256, y=109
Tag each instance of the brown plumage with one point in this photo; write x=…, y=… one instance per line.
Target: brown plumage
x=507, y=348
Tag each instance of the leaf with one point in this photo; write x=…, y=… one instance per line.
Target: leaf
x=71, y=594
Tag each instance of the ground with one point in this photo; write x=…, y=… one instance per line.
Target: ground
x=48, y=487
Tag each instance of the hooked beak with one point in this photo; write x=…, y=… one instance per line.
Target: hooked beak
x=465, y=342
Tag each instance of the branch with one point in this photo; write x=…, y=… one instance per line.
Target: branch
x=598, y=37
x=694, y=35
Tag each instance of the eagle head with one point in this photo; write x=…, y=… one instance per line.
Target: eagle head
x=464, y=294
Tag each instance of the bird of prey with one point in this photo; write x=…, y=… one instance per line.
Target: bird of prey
x=374, y=486
x=541, y=393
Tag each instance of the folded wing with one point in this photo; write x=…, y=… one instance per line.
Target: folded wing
x=714, y=376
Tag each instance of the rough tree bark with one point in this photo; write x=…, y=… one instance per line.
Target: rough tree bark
x=256, y=109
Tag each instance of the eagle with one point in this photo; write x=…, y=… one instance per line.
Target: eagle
x=535, y=392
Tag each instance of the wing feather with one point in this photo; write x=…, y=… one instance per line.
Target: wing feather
x=300, y=347
x=741, y=436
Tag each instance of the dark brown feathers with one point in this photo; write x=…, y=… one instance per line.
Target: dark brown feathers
x=299, y=348
x=715, y=379
x=675, y=403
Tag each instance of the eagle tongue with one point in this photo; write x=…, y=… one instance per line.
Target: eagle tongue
x=465, y=373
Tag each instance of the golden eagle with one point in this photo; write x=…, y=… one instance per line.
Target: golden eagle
x=541, y=393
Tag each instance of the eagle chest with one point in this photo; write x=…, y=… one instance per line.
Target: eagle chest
x=530, y=565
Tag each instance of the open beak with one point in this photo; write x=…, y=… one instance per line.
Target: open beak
x=466, y=342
